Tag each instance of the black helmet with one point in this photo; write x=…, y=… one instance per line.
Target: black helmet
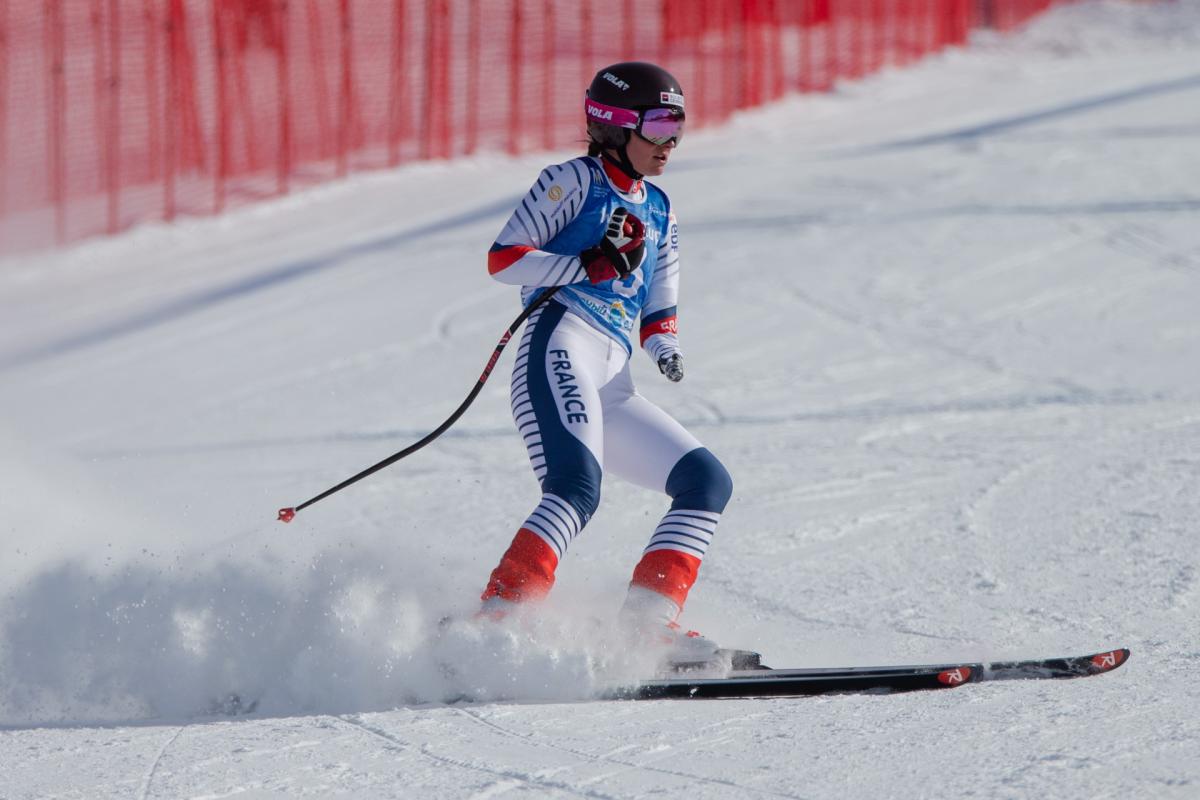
x=617, y=101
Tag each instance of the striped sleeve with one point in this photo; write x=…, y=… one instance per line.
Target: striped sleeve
x=660, y=329
x=517, y=256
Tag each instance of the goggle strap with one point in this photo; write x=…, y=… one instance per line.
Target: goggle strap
x=611, y=115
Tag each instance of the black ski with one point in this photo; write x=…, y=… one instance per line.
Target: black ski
x=766, y=682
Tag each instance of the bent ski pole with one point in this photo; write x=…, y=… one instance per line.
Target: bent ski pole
x=287, y=514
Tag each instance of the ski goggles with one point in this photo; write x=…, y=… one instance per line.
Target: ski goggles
x=655, y=125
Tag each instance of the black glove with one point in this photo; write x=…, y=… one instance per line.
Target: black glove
x=620, y=252
x=672, y=367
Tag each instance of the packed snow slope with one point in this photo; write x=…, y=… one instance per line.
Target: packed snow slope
x=941, y=325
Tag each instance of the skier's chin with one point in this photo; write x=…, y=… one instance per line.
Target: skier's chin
x=656, y=167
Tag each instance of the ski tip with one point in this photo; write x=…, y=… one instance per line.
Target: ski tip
x=287, y=514
x=1110, y=660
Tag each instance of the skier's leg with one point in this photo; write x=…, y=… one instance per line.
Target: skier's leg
x=700, y=488
x=648, y=447
x=555, y=400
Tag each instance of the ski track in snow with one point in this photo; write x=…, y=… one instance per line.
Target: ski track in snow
x=507, y=777
x=944, y=335
x=626, y=766
x=144, y=792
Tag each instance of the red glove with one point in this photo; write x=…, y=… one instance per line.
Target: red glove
x=620, y=252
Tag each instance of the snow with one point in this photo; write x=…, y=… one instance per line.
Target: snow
x=940, y=324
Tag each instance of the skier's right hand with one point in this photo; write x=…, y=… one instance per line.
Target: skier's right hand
x=620, y=252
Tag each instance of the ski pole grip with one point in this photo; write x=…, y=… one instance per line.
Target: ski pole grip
x=287, y=514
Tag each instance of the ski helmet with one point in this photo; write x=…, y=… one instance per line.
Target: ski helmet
x=633, y=96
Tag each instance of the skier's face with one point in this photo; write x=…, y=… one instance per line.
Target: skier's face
x=648, y=158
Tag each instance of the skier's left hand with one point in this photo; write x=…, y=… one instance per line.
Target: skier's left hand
x=672, y=367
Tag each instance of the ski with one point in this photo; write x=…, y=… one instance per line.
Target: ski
x=767, y=682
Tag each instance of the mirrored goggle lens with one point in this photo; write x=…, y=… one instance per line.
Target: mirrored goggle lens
x=661, y=125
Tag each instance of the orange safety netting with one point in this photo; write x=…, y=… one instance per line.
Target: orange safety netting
x=114, y=112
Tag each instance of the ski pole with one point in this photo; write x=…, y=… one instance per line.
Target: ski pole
x=288, y=514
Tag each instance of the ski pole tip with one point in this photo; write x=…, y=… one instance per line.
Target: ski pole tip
x=287, y=514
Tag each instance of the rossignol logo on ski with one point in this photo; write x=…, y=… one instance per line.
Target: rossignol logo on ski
x=953, y=677
x=1109, y=660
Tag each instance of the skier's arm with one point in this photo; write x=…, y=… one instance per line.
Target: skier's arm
x=516, y=256
x=660, y=331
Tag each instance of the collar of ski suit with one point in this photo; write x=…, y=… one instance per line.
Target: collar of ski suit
x=620, y=179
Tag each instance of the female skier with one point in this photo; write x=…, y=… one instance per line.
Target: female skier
x=593, y=226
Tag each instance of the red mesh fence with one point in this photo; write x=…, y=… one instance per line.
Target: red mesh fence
x=114, y=112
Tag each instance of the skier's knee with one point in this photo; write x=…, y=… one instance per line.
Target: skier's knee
x=700, y=482
x=580, y=489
